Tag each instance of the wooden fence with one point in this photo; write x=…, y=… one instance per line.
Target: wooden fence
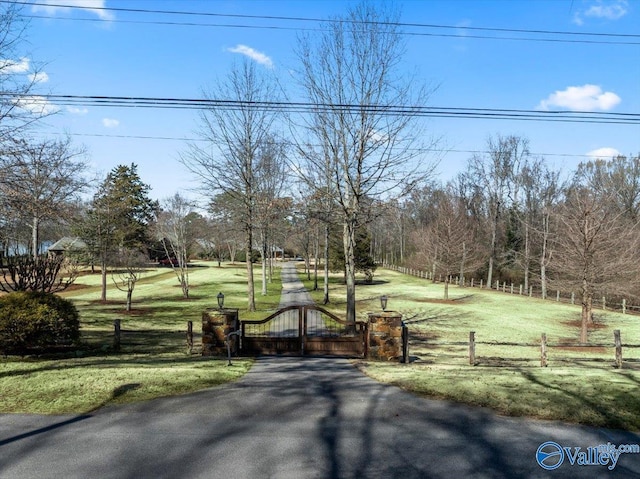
x=548, y=351
x=569, y=298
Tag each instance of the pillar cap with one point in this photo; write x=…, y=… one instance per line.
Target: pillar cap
x=386, y=314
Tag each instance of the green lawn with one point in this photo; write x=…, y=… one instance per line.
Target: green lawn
x=579, y=385
x=153, y=361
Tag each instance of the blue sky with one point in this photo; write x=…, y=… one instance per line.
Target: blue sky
x=111, y=53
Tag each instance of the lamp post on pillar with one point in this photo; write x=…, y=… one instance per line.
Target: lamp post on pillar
x=218, y=327
x=383, y=302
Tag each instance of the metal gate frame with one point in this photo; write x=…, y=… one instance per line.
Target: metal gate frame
x=349, y=341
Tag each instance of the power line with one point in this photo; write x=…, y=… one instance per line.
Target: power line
x=581, y=35
x=304, y=107
x=285, y=142
x=424, y=150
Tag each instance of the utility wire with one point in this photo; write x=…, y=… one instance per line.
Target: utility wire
x=303, y=107
x=581, y=35
x=285, y=142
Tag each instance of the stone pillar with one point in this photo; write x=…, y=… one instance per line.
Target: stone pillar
x=384, y=342
x=216, y=324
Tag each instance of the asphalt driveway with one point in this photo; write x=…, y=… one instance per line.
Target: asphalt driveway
x=294, y=418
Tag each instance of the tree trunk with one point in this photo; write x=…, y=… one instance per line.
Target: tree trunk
x=587, y=311
x=264, y=253
x=325, y=300
x=129, y=294
x=446, y=287
x=527, y=256
x=434, y=266
x=350, y=267
x=103, y=271
x=544, y=257
x=462, y=264
x=251, y=302
x=492, y=251
x=35, y=240
x=316, y=252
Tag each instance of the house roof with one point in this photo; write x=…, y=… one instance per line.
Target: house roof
x=68, y=243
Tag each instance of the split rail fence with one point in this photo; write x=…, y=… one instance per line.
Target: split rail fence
x=479, y=352
x=570, y=298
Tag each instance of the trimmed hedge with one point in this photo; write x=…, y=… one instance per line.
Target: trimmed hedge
x=36, y=321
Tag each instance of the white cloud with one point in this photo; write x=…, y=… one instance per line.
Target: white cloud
x=581, y=98
x=39, y=77
x=608, y=10
x=94, y=6
x=110, y=123
x=36, y=104
x=77, y=111
x=255, y=55
x=11, y=66
x=605, y=153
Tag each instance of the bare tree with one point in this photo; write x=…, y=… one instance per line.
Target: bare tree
x=619, y=178
x=448, y=242
x=235, y=135
x=173, y=231
x=130, y=264
x=40, y=181
x=362, y=123
x=550, y=193
x=596, y=251
x=494, y=174
x=539, y=191
x=270, y=180
x=20, y=106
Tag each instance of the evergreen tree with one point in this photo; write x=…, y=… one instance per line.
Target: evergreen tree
x=364, y=262
x=119, y=217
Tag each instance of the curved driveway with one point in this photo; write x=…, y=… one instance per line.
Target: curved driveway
x=294, y=418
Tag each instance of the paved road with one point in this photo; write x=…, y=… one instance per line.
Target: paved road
x=294, y=418
x=293, y=291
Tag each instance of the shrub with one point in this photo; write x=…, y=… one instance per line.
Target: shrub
x=34, y=321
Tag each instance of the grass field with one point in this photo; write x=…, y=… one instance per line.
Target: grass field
x=153, y=361
x=579, y=385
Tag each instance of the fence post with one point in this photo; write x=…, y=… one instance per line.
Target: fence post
x=472, y=348
x=543, y=350
x=511, y=288
x=481, y=280
x=573, y=298
x=405, y=344
x=116, y=335
x=190, y=337
x=624, y=306
x=618, y=342
x=497, y=285
x=604, y=303
x=530, y=291
x=521, y=290
x=558, y=296
x=472, y=282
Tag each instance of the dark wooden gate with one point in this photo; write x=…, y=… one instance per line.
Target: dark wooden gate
x=303, y=330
